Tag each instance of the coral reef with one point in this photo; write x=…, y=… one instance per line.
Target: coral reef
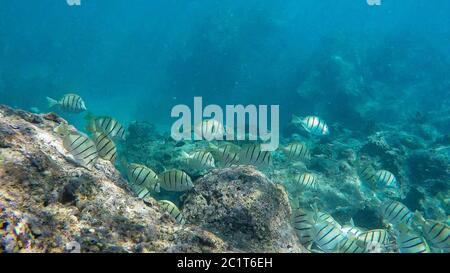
x=420, y=164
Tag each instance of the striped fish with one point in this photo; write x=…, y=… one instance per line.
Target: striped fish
x=175, y=180
x=367, y=174
x=173, y=211
x=320, y=216
x=226, y=155
x=327, y=236
x=82, y=148
x=69, y=102
x=351, y=231
x=396, y=213
x=313, y=125
x=410, y=242
x=251, y=154
x=303, y=224
x=379, y=236
x=200, y=160
x=105, y=147
x=350, y=245
x=437, y=234
x=296, y=151
x=385, y=179
x=107, y=125
x=307, y=181
x=143, y=180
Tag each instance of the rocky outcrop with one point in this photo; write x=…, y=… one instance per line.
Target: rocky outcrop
x=49, y=204
x=243, y=207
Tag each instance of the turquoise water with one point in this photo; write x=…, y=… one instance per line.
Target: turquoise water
x=128, y=57
x=370, y=72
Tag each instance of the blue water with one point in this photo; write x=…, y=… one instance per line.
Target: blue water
x=136, y=59
x=363, y=69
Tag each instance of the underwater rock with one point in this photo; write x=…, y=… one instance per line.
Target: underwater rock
x=48, y=204
x=144, y=145
x=425, y=164
x=244, y=208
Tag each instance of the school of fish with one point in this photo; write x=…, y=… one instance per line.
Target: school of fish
x=404, y=230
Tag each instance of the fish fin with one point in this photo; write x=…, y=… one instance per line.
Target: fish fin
x=51, y=102
x=315, y=211
x=351, y=236
x=418, y=217
x=90, y=119
x=185, y=155
x=296, y=119
x=284, y=149
x=351, y=222
x=123, y=163
x=212, y=147
x=62, y=129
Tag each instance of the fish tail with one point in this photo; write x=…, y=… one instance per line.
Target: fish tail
x=213, y=149
x=284, y=150
x=123, y=164
x=51, y=102
x=90, y=119
x=315, y=211
x=185, y=155
x=212, y=146
x=418, y=217
x=296, y=119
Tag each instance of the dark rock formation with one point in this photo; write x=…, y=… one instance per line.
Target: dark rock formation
x=245, y=209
